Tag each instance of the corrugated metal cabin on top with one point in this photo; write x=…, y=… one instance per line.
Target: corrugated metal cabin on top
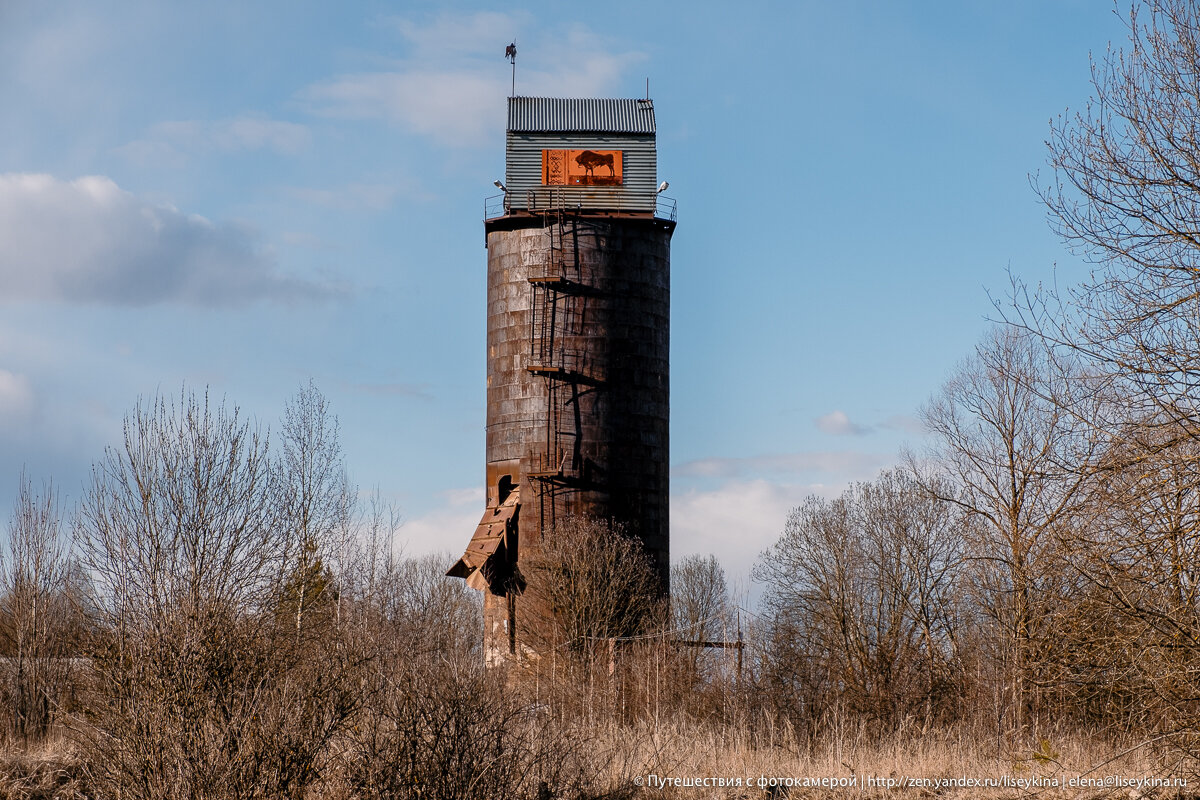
x=578, y=339
x=594, y=154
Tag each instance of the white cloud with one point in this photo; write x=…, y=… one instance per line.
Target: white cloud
x=16, y=397
x=459, y=108
x=446, y=527
x=448, y=36
x=735, y=508
x=397, y=389
x=350, y=197
x=837, y=423
x=454, y=82
x=151, y=153
x=838, y=466
x=734, y=522
x=51, y=427
x=89, y=241
x=906, y=423
x=166, y=143
x=61, y=57
x=304, y=239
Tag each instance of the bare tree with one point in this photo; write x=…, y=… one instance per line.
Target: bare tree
x=36, y=614
x=1136, y=550
x=700, y=608
x=699, y=597
x=315, y=500
x=926, y=538
x=180, y=518
x=588, y=581
x=202, y=687
x=1126, y=195
x=861, y=594
x=1010, y=435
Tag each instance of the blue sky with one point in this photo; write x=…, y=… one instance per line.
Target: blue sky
x=244, y=196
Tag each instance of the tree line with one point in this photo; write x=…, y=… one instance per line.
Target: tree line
x=1037, y=563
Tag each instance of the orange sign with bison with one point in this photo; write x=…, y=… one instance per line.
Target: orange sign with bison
x=581, y=167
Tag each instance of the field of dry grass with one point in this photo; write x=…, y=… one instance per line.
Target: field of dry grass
x=695, y=760
x=47, y=771
x=946, y=764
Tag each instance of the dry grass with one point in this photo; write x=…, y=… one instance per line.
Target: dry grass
x=47, y=771
x=696, y=751
x=53, y=771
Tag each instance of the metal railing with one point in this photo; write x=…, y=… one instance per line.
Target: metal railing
x=572, y=365
x=495, y=206
x=664, y=207
x=554, y=199
x=548, y=461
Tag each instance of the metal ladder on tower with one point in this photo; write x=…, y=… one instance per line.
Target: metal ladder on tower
x=555, y=314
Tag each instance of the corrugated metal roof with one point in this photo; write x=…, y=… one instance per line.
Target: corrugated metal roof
x=561, y=115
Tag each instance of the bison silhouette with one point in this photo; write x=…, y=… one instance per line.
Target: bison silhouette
x=590, y=159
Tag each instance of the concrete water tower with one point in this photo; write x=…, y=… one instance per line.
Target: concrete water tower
x=578, y=340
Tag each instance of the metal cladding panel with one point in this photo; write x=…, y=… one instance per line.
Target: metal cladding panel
x=579, y=115
x=489, y=536
x=523, y=172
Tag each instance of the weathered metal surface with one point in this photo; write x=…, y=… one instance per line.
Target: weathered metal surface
x=524, y=171
x=557, y=114
x=578, y=341
x=587, y=434
x=487, y=561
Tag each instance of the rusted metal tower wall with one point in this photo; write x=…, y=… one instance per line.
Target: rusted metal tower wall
x=587, y=435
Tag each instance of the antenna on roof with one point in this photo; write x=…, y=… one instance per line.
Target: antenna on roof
x=647, y=87
x=510, y=53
